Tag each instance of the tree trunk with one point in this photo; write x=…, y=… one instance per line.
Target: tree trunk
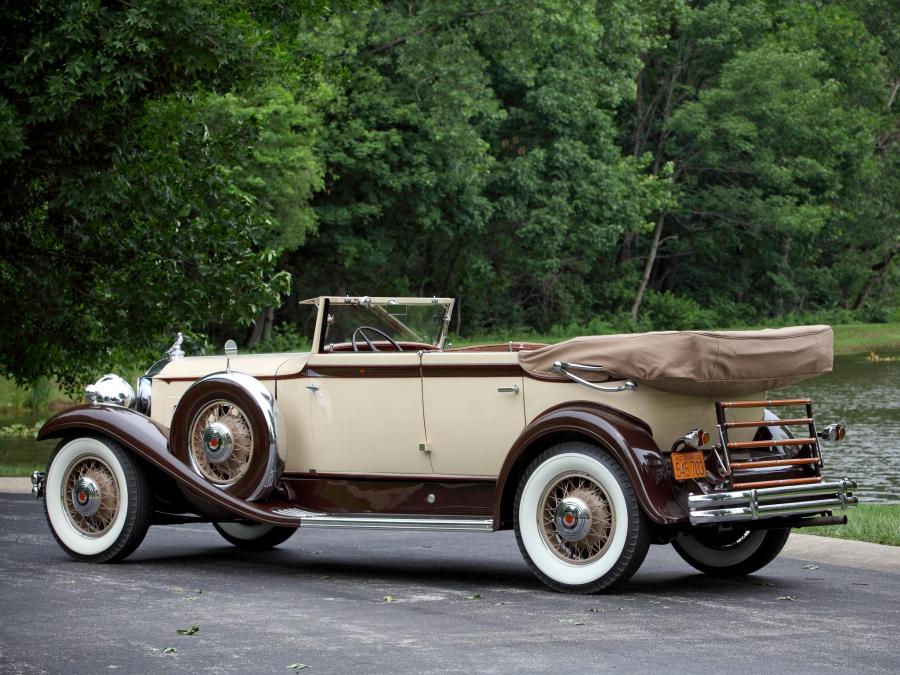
x=874, y=277
x=269, y=314
x=262, y=327
x=648, y=268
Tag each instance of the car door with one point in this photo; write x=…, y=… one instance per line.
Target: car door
x=474, y=410
x=366, y=413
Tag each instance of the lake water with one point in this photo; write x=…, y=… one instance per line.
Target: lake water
x=864, y=396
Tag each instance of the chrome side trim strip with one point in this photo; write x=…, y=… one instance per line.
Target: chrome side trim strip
x=368, y=521
x=764, y=503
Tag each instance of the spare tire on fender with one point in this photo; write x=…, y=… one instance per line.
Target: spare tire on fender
x=225, y=428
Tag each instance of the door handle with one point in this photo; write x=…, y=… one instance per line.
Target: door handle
x=312, y=387
x=514, y=389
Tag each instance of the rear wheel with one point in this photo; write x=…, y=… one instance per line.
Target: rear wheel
x=254, y=536
x=96, y=499
x=735, y=553
x=578, y=523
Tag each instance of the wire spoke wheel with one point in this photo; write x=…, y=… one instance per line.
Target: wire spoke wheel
x=578, y=522
x=577, y=518
x=221, y=442
x=90, y=493
x=96, y=499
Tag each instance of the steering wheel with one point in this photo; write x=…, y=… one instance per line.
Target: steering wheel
x=362, y=331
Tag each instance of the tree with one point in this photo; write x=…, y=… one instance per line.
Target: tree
x=156, y=156
x=472, y=151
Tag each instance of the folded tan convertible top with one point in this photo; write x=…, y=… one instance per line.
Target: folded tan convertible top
x=709, y=363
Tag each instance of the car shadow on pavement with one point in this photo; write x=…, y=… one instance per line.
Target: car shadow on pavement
x=296, y=566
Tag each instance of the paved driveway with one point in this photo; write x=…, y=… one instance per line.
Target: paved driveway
x=461, y=603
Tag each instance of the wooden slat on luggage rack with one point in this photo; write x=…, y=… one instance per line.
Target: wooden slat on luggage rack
x=766, y=404
x=774, y=462
x=769, y=423
x=776, y=483
x=737, y=445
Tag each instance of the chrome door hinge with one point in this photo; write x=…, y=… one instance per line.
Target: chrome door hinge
x=312, y=387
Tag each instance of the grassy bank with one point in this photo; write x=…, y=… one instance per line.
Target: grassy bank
x=876, y=523
x=851, y=338
x=855, y=338
x=20, y=470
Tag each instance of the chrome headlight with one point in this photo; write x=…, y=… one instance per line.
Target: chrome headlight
x=110, y=389
x=142, y=402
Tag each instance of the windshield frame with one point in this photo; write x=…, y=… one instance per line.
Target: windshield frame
x=324, y=302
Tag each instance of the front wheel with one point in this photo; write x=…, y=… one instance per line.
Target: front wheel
x=254, y=536
x=578, y=523
x=96, y=499
x=734, y=553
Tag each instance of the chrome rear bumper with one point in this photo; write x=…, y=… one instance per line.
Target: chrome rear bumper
x=761, y=503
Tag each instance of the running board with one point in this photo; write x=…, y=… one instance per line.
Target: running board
x=369, y=521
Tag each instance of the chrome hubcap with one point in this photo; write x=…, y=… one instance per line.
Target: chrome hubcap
x=217, y=443
x=86, y=496
x=573, y=519
x=577, y=518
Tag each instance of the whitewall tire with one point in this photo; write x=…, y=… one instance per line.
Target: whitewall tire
x=577, y=520
x=734, y=553
x=96, y=499
x=254, y=536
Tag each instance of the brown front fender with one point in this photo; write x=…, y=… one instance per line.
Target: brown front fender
x=150, y=441
x=626, y=437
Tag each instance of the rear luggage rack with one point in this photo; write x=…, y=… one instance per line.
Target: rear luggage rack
x=748, y=499
x=811, y=440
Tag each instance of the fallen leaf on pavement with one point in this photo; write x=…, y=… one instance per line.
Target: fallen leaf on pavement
x=188, y=631
x=389, y=598
x=787, y=597
x=298, y=666
x=574, y=622
x=169, y=650
x=810, y=567
x=474, y=596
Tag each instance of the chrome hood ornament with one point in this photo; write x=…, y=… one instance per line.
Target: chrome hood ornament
x=175, y=351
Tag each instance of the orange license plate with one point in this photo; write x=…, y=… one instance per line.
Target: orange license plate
x=687, y=465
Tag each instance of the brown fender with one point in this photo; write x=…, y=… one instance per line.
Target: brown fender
x=150, y=441
x=626, y=437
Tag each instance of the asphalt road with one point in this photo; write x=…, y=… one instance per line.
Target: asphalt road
x=462, y=603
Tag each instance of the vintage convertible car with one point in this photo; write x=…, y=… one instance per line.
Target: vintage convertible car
x=591, y=449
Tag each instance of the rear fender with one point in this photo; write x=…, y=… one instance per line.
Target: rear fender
x=149, y=440
x=627, y=438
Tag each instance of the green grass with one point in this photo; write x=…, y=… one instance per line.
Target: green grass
x=876, y=523
x=19, y=470
x=856, y=338
x=851, y=338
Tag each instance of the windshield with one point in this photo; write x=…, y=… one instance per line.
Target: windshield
x=421, y=323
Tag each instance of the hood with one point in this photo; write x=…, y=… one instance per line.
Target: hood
x=257, y=365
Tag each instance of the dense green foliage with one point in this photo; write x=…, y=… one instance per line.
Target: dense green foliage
x=155, y=157
x=614, y=164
